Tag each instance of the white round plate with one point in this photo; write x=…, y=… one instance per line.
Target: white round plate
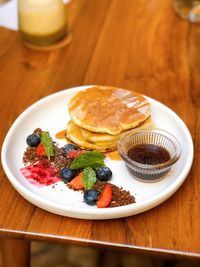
x=51, y=114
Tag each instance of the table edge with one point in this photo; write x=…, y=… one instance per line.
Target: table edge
x=34, y=236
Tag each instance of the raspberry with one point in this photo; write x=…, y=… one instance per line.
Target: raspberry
x=73, y=154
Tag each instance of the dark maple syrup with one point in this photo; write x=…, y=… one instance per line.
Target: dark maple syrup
x=149, y=154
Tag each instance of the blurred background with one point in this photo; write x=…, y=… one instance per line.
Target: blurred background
x=55, y=255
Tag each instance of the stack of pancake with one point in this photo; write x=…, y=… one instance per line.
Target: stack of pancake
x=100, y=115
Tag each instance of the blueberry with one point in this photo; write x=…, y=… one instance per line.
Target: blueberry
x=67, y=174
x=91, y=196
x=104, y=173
x=33, y=140
x=68, y=148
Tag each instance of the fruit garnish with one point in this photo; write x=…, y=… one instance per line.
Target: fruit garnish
x=77, y=182
x=92, y=159
x=72, y=154
x=89, y=178
x=90, y=197
x=67, y=174
x=68, y=147
x=104, y=174
x=33, y=140
x=48, y=144
x=105, y=197
x=40, y=150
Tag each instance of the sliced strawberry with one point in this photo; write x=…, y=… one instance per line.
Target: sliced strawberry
x=77, y=182
x=72, y=154
x=105, y=197
x=40, y=150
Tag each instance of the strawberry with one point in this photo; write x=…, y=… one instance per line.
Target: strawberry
x=105, y=197
x=40, y=150
x=77, y=182
x=72, y=154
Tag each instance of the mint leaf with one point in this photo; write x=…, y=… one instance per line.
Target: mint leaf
x=92, y=159
x=89, y=178
x=48, y=144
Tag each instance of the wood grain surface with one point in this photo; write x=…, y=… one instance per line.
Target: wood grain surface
x=140, y=45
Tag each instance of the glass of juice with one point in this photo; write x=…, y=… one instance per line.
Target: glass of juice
x=42, y=22
x=188, y=9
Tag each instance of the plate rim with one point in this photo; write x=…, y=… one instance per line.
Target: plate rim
x=84, y=213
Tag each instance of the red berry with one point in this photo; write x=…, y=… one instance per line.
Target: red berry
x=77, y=182
x=40, y=150
x=72, y=154
x=105, y=197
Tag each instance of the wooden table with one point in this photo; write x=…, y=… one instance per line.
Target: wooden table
x=140, y=45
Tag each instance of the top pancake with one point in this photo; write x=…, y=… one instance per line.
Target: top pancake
x=108, y=110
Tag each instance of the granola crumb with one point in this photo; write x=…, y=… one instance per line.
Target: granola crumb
x=120, y=196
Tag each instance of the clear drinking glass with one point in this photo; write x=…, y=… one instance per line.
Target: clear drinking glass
x=42, y=22
x=188, y=9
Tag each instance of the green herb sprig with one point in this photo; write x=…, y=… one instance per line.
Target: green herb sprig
x=93, y=159
x=48, y=144
x=89, y=178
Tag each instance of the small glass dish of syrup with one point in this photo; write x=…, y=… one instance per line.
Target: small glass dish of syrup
x=149, y=154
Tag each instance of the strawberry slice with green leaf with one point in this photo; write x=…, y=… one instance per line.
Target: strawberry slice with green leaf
x=105, y=197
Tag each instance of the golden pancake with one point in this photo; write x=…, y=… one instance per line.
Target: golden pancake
x=108, y=110
x=99, y=137
x=75, y=135
x=97, y=141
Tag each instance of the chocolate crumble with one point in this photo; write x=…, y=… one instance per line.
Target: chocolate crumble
x=120, y=197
